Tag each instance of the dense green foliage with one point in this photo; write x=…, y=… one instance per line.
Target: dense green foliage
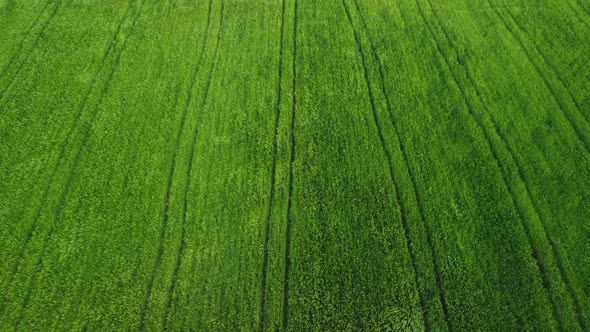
x=241, y=165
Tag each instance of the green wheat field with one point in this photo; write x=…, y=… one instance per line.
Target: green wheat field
x=294, y=165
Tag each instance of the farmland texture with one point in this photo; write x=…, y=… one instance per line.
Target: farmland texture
x=295, y=165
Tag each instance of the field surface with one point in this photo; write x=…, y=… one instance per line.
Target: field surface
x=300, y=165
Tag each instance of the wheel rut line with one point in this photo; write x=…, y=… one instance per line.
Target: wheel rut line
x=559, y=102
x=543, y=57
x=586, y=10
x=488, y=140
x=523, y=179
x=535, y=255
x=164, y=223
x=22, y=43
x=28, y=54
x=577, y=13
x=289, y=217
x=189, y=177
x=411, y=174
x=81, y=227
x=262, y=317
x=171, y=172
x=560, y=265
x=76, y=161
x=89, y=90
x=62, y=151
x=403, y=211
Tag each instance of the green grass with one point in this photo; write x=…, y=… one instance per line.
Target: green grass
x=243, y=165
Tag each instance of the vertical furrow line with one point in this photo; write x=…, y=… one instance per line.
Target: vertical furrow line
x=291, y=174
x=193, y=145
x=262, y=309
x=405, y=157
x=388, y=157
x=172, y=171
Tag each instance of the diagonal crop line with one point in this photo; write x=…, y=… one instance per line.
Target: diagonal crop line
x=28, y=54
x=178, y=258
x=586, y=10
x=172, y=170
x=550, y=87
x=523, y=179
x=273, y=167
x=291, y=175
x=535, y=253
x=76, y=161
x=577, y=13
x=64, y=145
x=22, y=43
x=543, y=57
x=541, y=218
x=486, y=136
x=405, y=157
x=387, y=153
x=126, y=180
